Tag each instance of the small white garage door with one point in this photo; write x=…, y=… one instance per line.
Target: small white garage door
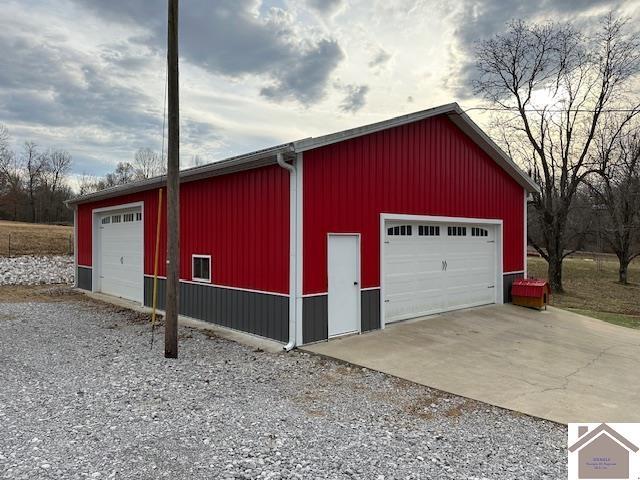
x=120, y=255
x=435, y=267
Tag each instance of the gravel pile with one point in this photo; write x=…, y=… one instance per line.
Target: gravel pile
x=84, y=396
x=36, y=270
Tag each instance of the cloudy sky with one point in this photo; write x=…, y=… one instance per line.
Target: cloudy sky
x=88, y=76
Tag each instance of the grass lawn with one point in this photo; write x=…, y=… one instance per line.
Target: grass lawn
x=35, y=239
x=596, y=292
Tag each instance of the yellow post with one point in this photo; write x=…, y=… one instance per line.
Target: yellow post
x=155, y=259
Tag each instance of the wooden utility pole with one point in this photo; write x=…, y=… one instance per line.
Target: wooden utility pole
x=173, y=189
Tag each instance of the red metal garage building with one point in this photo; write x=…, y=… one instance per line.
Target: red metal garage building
x=324, y=236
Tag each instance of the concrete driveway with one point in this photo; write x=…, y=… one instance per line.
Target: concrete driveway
x=552, y=364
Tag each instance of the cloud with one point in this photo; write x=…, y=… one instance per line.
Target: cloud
x=355, y=98
x=229, y=37
x=325, y=7
x=305, y=78
x=480, y=19
x=56, y=86
x=380, y=58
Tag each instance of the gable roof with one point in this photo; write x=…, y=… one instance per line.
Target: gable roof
x=267, y=156
x=596, y=432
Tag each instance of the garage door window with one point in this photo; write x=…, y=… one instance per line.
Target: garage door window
x=479, y=232
x=428, y=230
x=128, y=217
x=201, y=268
x=116, y=218
x=457, y=231
x=106, y=220
x=400, y=230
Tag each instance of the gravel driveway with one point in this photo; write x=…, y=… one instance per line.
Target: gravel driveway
x=84, y=396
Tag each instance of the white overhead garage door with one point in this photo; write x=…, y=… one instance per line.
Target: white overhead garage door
x=435, y=267
x=120, y=253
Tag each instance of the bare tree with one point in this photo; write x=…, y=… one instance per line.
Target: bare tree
x=34, y=164
x=550, y=86
x=11, y=188
x=54, y=173
x=124, y=173
x=148, y=164
x=616, y=188
x=57, y=168
x=5, y=150
x=86, y=184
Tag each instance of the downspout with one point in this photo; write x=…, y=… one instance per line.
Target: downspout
x=293, y=266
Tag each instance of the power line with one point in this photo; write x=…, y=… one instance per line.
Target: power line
x=551, y=110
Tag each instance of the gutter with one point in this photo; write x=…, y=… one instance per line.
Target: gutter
x=293, y=263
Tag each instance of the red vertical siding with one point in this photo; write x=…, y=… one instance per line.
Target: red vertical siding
x=424, y=168
x=241, y=220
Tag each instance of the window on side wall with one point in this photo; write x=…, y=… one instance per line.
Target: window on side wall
x=201, y=268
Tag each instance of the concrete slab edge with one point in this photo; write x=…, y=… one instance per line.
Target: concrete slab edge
x=345, y=362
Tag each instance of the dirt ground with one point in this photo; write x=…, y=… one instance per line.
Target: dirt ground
x=17, y=238
x=592, y=288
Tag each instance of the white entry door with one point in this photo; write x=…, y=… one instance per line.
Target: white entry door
x=120, y=256
x=435, y=267
x=344, y=284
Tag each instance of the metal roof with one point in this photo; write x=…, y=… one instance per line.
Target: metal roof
x=267, y=156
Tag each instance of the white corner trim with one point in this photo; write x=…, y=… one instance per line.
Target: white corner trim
x=75, y=246
x=299, y=245
x=525, y=230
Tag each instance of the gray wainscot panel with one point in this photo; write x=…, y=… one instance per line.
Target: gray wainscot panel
x=252, y=312
x=84, y=278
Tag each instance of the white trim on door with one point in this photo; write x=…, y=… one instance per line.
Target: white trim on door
x=385, y=217
x=358, y=276
x=96, y=247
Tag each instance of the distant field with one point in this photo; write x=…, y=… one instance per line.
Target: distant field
x=17, y=238
x=596, y=292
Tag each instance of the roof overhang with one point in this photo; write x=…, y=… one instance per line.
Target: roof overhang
x=267, y=156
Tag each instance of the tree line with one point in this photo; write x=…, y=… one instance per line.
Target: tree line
x=146, y=163
x=566, y=105
x=33, y=183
